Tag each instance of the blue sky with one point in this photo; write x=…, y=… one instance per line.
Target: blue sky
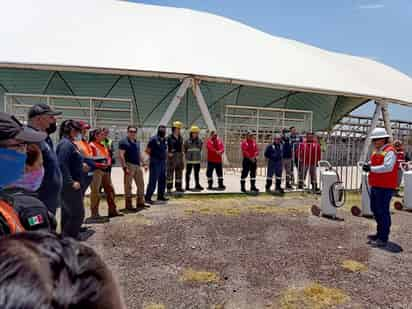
x=378, y=29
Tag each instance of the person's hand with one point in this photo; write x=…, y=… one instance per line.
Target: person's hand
x=145, y=168
x=76, y=185
x=170, y=154
x=366, y=168
x=126, y=170
x=85, y=168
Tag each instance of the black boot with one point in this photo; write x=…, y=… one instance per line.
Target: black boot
x=187, y=183
x=268, y=185
x=210, y=184
x=315, y=188
x=300, y=185
x=288, y=185
x=278, y=187
x=199, y=187
x=253, y=186
x=221, y=185
x=243, y=186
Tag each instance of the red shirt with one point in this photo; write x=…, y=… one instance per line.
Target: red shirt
x=387, y=180
x=215, y=150
x=308, y=153
x=249, y=149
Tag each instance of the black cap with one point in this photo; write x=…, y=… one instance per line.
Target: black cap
x=42, y=109
x=10, y=127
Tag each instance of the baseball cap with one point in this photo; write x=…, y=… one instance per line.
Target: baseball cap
x=42, y=109
x=10, y=127
x=84, y=125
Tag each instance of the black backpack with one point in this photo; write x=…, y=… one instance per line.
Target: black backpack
x=33, y=214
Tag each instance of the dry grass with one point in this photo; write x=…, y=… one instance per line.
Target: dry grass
x=354, y=266
x=190, y=275
x=154, y=306
x=313, y=296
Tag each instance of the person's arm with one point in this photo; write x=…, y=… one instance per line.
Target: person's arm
x=221, y=148
x=388, y=164
x=64, y=155
x=267, y=152
x=245, y=151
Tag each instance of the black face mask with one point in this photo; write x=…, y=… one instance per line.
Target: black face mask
x=52, y=128
x=161, y=133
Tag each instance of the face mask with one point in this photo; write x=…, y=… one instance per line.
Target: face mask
x=12, y=165
x=78, y=138
x=52, y=128
x=30, y=181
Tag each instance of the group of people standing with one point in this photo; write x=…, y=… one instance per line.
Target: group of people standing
x=287, y=152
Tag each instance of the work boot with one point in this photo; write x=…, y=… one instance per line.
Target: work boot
x=300, y=185
x=268, y=185
x=199, y=187
x=243, y=186
x=128, y=203
x=179, y=189
x=210, y=184
x=278, y=187
x=253, y=186
x=378, y=243
x=141, y=203
x=187, y=184
x=315, y=188
x=162, y=198
x=288, y=185
x=221, y=185
x=373, y=237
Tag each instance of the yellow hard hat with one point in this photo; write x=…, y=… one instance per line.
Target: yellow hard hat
x=177, y=124
x=194, y=129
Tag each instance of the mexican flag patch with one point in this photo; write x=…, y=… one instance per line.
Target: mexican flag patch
x=36, y=220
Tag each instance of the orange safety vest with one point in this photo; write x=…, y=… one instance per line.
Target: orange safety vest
x=99, y=150
x=11, y=217
x=387, y=180
x=85, y=148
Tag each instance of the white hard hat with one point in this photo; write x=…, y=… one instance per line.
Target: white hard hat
x=379, y=133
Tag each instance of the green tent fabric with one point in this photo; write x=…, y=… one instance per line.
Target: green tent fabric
x=151, y=96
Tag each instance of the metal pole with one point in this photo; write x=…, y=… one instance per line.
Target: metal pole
x=5, y=103
x=175, y=101
x=205, y=112
x=375, y=119
x=91, y=113
x=386, y=119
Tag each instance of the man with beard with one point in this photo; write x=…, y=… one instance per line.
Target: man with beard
x=43, y=118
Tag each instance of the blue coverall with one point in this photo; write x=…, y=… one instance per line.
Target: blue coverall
x=273, y=153
x=157, y=167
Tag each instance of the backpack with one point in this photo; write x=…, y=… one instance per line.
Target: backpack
x=33, y=214
x=9, y=219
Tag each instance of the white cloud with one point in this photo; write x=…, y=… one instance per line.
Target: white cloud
x=371, y=6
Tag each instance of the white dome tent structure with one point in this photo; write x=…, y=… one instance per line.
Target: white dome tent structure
x=152, y=55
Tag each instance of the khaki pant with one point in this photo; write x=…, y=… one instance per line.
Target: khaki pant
x=175, y=166
x=136, y=174
x=101, y=178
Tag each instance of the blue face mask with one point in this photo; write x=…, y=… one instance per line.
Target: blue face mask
x=12, y=164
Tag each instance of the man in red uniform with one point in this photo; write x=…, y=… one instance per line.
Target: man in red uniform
x=383, y=179
x=215, y=150
x=250, y=153
x=308, y=154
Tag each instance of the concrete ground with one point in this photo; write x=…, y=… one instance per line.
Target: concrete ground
x=238, y=251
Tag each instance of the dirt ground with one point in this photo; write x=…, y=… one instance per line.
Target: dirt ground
x=239, y=251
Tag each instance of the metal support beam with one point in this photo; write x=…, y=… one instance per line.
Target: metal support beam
x=386, y=119
x=205, y=112
x=375, y=119
x=174, y=104
x=203, y=106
